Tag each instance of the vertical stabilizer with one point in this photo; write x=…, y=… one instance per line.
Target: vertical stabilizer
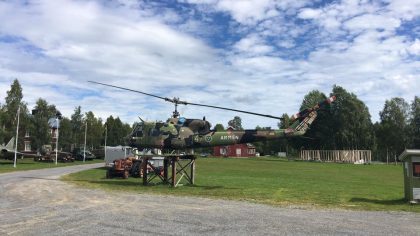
x=303, y=119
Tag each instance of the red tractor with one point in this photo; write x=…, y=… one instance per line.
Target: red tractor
x=121, y=167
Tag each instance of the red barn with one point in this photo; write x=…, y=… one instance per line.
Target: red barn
x=236, y=150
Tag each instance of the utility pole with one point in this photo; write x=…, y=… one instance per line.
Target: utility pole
x=57, y=120
x=17, y=135
x=84, y=148
x=106, y=134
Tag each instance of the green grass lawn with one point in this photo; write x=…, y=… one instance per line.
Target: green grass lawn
x=30, y=164
x=278, y=182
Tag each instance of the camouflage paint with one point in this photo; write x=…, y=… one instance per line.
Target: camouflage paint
x=175, y=135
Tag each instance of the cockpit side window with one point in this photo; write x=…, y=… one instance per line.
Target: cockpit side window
x=138, y=132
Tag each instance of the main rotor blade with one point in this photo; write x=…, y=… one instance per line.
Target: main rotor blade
x=132, y=90
x=177, y=101
x=230, y=109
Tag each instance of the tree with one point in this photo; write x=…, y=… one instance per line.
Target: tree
x=95, y=130
x=40, y=130
x=2, y=125
x=8, y=118
x=284, y=143
x=117, y=131
x=350, y=124
x=393, y=128
x=284, y=122
x=219, y=127
x=65, y=135
x=236, y=123
x=77, y=126
x=415, y=123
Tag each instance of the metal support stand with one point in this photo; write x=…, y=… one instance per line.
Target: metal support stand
x=182, y=168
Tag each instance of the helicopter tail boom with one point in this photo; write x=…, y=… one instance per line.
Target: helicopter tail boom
x=303, y=119
x=304, y=113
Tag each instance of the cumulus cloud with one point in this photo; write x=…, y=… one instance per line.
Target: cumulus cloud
x=308, y=13
x=260, y=55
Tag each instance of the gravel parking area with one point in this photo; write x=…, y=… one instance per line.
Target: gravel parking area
x=37, y=203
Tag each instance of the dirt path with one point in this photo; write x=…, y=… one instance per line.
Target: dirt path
x=37, y=203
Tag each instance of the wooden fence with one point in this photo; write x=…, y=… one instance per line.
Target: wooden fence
x=347, y=156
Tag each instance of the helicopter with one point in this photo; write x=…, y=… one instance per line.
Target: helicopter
x=180, y=133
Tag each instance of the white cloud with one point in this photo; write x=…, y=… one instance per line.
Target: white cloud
x=403, y=9
x=308, y=13
x=247, y=11
x=253, y=45
x=370, y=21
x=414, y=49
x=270, y=62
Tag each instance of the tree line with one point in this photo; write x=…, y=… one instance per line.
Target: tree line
x=346, y=125
x=71, y=130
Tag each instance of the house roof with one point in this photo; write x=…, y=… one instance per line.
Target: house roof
x=407, y=153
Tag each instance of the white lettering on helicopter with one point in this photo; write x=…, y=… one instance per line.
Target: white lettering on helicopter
x=229, y=137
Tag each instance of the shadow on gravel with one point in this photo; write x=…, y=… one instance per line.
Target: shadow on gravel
x=399, y=201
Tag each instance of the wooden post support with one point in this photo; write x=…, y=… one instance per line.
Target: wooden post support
x=173, y=163
x=144, y=169
x=192, y=171
x=165, y=170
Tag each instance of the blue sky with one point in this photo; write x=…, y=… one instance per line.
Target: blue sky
x=258, y=55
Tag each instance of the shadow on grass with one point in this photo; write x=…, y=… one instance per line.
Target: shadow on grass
x=122, y=182
x=390, y=202
x=28, y=177
x=269, y=160
x=102, y=168
x=132, y=181
x=210, y=187
x=18, y=163
x=114, y=182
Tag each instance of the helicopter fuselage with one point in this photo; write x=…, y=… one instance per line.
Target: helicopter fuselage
x=213, y=138
x=180, y=133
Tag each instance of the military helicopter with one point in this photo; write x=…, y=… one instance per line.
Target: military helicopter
x=179, y=133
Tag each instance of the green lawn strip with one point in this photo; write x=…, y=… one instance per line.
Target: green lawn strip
x=278, y=182
x=30, y=164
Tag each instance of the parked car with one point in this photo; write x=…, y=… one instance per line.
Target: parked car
x=80, y=154
x=50, y=157
x=99, y=153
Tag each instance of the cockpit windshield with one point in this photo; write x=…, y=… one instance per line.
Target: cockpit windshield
x=138, y=131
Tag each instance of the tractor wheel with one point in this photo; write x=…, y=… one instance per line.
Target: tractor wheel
x=125, y=174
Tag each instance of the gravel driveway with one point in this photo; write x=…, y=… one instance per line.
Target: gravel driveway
x=37, y=203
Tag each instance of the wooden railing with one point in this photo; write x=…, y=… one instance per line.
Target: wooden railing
x=347, y=156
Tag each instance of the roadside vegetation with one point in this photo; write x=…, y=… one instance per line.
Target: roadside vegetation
x=30, y=164
x=277, y=181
